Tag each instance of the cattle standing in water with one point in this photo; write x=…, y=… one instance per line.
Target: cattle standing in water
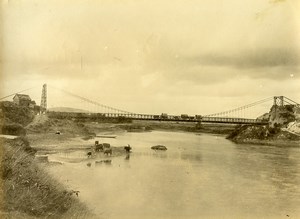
x=108, y=151
x=106, y=145
x=89, y=154
x=99, y=147
x=127, y=148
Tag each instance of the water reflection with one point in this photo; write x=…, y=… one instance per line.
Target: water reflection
x=101, y=162
x=189, y=156
x=160, y=154
x=127, y=157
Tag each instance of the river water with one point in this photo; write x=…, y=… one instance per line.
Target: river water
x=199, y=176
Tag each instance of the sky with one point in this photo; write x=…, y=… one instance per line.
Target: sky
x=173, y=56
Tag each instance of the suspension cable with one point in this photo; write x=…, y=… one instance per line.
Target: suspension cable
x=242, y=107
x=291, y=101
x=16, y=93
x=91, y=101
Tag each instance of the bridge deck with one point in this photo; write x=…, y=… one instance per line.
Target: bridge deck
x=170, y=118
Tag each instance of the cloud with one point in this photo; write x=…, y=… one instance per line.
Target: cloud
x=276, y=1
x=261, y=58
x=213, y=68
x=152, y=52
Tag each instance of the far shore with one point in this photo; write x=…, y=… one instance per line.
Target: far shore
x=68, y=140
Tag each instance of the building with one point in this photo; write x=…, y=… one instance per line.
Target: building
x=22, y=100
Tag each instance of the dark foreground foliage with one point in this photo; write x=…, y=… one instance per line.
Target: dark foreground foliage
x=27, y=189
x=13, y=129
x=12, y=113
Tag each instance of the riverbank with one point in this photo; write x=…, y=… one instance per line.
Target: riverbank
x=28, y=191
x=264, y=135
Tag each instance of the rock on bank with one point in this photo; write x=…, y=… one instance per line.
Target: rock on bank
x=283, y=128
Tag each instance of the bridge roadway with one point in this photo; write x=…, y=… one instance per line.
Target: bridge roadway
x=171, y=118
x=204, y=119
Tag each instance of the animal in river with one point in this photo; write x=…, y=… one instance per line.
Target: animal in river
x=106, y=145
x=89, y=154
x=99, y=147
x=127, y=148
x=108, y=151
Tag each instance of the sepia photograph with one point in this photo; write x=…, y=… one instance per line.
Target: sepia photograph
x=149, y=109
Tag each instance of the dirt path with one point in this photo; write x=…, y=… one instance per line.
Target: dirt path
x=38, y=121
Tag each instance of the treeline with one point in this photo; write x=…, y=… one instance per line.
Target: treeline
x=13, y=118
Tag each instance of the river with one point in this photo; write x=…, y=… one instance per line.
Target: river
x=199, y=176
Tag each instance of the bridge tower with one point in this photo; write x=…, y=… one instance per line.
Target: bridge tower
x=278, y=101
x=44, y=99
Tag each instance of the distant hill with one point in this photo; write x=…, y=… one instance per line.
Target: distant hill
x=67, y=109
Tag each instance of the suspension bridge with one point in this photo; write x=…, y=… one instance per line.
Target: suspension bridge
x=233, y=116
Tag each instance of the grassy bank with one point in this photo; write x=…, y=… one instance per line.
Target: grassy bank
x=27, y=191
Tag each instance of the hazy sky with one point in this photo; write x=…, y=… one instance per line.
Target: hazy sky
x=175, y=56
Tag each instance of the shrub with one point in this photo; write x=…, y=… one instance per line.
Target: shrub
x=13, y=113
x=13, y=129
